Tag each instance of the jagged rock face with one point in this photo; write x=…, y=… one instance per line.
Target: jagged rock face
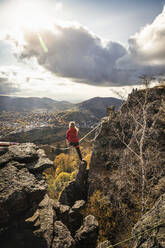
x=22, y=187
x=29, y=218
x=87, y=235
x=71, y=217
x=62, y=236
x=156, y=237
x=129, y=149
x=43, y=221
x=52, y=221
x=62, y=226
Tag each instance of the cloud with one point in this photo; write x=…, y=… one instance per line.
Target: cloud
x=146, y=54
x=74, y=52
x=6, y=56
x=7, y=88
x=147, y=46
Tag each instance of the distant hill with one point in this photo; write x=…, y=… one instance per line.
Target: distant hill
x=98, y=105
x=90, y=110
x=20, y=104
x=93, y=108
x=77, y=115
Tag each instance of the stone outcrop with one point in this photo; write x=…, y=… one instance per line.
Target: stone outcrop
x=22, y=187
x=43, y=221
x=70, y=216
x=153, y=218
x=62, y=237
x=87, y=235
x=76, y=190
x=62, y=226
x=29, y=218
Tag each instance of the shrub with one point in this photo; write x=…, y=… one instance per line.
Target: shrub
x=64, y=171
x=100, y=207
x=65, y=163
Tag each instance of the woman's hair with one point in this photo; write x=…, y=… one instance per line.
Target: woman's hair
x=73, y=124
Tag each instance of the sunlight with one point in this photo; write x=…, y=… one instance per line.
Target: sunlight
x=32, y=15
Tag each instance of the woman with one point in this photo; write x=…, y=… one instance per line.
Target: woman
x=72, y=137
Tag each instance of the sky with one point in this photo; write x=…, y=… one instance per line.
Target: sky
x=78, y=49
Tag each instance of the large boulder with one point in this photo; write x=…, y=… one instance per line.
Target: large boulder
x=22, y=187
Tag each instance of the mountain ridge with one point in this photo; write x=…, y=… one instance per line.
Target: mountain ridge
x=92, y=109
x=94, y=105
x=20, y=104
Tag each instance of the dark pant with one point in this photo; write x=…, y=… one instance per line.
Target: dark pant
x=76, y=145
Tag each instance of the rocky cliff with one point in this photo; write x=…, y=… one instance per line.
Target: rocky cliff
x=29, y=218
x=22, y=187
x=127, y=163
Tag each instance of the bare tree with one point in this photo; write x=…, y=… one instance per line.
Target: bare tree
x=140, y=131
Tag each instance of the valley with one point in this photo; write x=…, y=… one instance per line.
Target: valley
x=47, y=126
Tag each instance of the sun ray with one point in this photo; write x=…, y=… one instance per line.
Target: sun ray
x=43, y=45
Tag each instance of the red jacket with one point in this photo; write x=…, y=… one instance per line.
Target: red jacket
x=72, y=135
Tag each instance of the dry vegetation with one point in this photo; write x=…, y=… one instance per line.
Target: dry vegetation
x=64, y=171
